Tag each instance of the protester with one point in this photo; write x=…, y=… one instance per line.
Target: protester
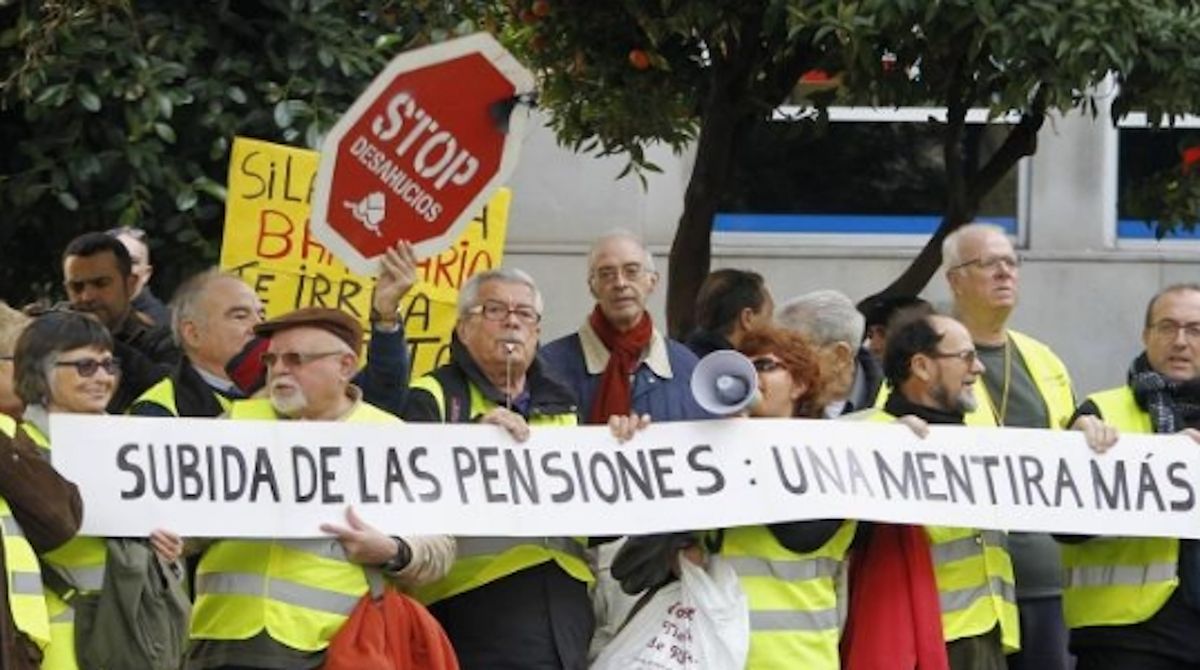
x=1024, y=385
x=507, y=602
x=788, y=570
x=214, y=315
x=64, y=364
x=240, y=618
x=1134, y=603
x=618, y=363
x=39, y=512
x=12, y=323
x=882, y=313
x=834, y=329
x=144, y=300
x=931, y=366
x=97, y=274
x=730, y=303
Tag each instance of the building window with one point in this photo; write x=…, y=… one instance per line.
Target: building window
x=872, y=178
x=1143, y=154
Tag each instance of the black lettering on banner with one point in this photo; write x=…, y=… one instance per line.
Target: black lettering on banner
x=858, y=475
x=958, y=479
x=694, y=462
x=1184, y=485
x=822, y=470
x=1064, y=482
x=364, y=492
x=1012, y=480
x=162, y=490
x=189, y=472
x=329, y=475
x=568, y=489
x=464, y=466
x=521, y=477
x=928, y=475
x=264, y=475
x=583, y=487
x=210, y=459
x=1147, y=485
x=639, y=474
x=245, y=170
x=800, y=485
x=1114, y=497
x=421, y=474
x=906, y=486
x=393, y=477
x=232, y=488
x=125, y=465
x=1032, y=473
x=307, y=490
x=661, y=472
x=988, y=463
x=614, y=480
x=490, y=474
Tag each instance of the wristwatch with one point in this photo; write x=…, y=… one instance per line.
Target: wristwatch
x=380, y=319
x=402, y=558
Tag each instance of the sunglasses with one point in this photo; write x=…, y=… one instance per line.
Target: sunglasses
x=87, y=367
x=765, y=364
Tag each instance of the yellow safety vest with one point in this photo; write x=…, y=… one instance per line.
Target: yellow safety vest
x=1114, y=581
x=974, y=573
x=482, y=560
x=163, y=395
x=298, y=591
x=81, y=563
x=22, y=573
x=793, y=598
x=1049, y=375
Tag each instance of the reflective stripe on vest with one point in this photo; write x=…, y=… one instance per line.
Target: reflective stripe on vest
x=298, y=591
x=256, y=585
x=975, y=583
x=26, y=601
x=482, y=560
x=793, y=598
x=1117, y=581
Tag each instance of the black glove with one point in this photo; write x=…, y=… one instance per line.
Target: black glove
x=645, y=561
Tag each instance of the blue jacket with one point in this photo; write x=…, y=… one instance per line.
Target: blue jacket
x=661, y=383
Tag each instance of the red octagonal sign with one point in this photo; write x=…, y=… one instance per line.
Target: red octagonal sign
x=421, y=151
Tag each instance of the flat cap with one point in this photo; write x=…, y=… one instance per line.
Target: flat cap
x=340, y=324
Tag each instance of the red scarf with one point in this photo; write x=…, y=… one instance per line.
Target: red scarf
x=895, y=620
x=624, y=352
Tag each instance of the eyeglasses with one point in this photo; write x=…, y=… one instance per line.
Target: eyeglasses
x=1169, y=330
x=87, y=367
x=968, y=356
x=765, y=364
x=630, y=271
x=992, y=263
x=295, y=359
x=494, y=310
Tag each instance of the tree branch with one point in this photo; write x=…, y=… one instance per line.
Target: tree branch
x=1020, y=142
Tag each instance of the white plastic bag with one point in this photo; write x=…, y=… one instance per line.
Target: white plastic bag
x=701, y=622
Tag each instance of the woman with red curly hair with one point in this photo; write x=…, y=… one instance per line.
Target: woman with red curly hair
x=788, y=570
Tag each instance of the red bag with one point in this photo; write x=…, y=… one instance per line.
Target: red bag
x=393, y=632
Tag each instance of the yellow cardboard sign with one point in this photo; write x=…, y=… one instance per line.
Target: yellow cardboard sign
x=268, y=243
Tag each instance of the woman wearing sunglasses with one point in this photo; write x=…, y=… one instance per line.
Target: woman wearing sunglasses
x=63, y=362
x=788, y=570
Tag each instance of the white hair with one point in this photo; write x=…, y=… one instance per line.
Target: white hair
x=468, y=295
x=824, y=317
x=952, y=245
x=185, y=304
x=618, y=234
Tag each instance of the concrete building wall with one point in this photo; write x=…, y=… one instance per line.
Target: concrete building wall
x=1081, y=291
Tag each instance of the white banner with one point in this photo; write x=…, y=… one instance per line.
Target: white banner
x=208, y=477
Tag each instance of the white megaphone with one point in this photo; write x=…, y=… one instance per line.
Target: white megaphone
x=725, y=383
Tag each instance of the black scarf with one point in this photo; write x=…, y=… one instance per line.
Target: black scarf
x=897, y=405
x=1172, y=405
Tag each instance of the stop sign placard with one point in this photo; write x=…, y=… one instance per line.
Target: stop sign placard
x=419, y=153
